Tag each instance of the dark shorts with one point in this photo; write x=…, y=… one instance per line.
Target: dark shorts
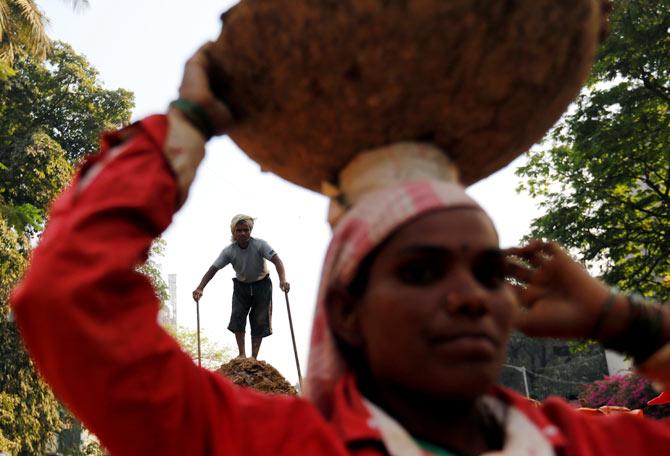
x=255, y=300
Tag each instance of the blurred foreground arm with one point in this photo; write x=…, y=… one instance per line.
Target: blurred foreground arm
x=88, y=318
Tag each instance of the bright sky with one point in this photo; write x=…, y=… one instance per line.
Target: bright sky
x=141, y=45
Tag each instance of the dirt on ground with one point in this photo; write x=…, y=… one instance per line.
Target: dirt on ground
x=259, y=375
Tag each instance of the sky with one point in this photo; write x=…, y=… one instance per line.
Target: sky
x=141, y=45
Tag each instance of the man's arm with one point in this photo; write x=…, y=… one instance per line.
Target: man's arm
x=209, y=275
x=283, y=284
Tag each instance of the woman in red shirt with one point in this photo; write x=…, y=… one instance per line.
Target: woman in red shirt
x=410, y=333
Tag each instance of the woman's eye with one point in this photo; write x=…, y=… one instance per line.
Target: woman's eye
x=490, y=271
x=420, y=272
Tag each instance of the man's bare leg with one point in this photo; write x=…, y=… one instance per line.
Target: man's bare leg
x=239, y=337
x=255, y=346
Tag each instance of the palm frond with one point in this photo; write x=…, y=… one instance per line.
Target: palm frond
x=78, y=5
x=6, y=53
x=4, y=18
x=32, y=14
x=31, y=29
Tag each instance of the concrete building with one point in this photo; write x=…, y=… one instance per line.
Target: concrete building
x=168, y=314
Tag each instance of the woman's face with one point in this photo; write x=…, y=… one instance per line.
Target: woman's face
x=437, y=313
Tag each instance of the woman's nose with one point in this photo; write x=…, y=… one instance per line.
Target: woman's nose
x=466, y=296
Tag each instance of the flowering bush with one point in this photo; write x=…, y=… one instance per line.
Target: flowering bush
x=629, y=390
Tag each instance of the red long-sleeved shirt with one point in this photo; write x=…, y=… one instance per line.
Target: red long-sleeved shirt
x=89, y=321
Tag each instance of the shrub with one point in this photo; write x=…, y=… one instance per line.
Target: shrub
x=629, y=390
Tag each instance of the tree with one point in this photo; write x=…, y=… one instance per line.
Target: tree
x=73, y=441
x=22, y=24
x=63, y=98
x=34, y=171
x=22, y=27
x=605, y=180
x=211, y=354
x=151, y=268
x=51, y=113
x=28, y=412
x=27, y=408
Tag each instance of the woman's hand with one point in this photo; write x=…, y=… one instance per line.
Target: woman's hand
x=195, y=87
x=560, y=297
x=185, y=144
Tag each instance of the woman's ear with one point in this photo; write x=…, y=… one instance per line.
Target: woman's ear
x=342, y=311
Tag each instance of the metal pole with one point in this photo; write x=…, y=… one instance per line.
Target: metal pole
x=525, y=381
x=197, y=313
x=521, y=369
x=295, y=349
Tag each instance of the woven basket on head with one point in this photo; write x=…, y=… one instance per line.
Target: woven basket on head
x=314, y=82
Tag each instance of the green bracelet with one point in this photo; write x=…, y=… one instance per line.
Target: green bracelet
x=196, y=115
x=643, y=335
x=607, y=306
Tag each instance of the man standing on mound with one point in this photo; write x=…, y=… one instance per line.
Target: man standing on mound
x=252, y=292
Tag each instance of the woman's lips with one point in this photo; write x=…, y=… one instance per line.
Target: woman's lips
x=474, y=345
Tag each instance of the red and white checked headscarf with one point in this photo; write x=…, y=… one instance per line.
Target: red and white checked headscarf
x=364, y=227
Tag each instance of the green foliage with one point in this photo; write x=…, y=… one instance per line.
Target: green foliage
x=22, y=30
x=8, y=403
x=29, y=416
x=12, y=262
x=73, y=441
x=51, y=113
x=605, y=182
x=23, y=218
x=212, y=355
x=62, y=97
x=28, y=410
x=22, y=27
x=5, y=71
x=151, y=268
x=34, y=171
x=92, y=449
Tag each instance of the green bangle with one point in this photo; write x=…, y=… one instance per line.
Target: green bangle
x=603, y=314
x=196, y=115
x=644, y=334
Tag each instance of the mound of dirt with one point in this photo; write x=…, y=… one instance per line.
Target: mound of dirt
x=259, y=375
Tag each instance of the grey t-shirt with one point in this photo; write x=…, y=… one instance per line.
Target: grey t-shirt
x=249, y=264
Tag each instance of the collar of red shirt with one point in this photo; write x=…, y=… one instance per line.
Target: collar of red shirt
x=352, y=420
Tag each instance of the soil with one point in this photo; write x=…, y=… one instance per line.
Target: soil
x=312, y=83
x=259, y=375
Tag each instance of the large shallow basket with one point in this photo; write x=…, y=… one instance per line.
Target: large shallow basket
x=314, y=82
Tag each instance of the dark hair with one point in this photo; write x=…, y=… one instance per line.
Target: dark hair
x=356, y=289
x=359, y=283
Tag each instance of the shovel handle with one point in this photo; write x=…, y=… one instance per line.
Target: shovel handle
x=295, y=349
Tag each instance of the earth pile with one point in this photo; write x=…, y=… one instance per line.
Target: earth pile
x=259, y=375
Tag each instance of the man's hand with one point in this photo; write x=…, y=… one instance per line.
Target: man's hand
x=560, y=297
x=197, y=294
x=284, y=286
